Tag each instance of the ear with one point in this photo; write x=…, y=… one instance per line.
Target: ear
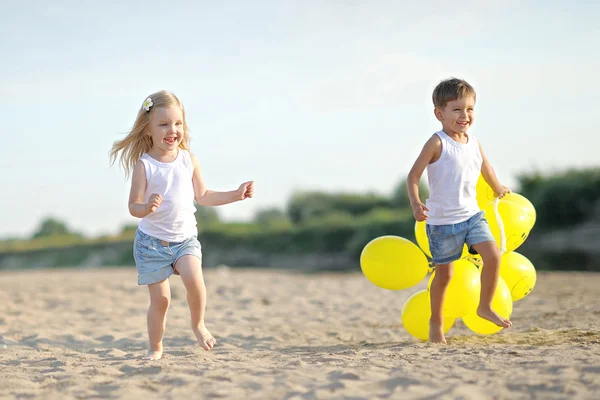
x=438, y=114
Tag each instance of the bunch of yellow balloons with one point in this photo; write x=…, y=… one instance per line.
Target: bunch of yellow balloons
x=396, y=263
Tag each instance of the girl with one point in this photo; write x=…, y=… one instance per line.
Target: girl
x=166, y=179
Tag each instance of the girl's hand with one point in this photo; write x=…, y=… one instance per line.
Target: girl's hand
x=419, y=211
x=154, y=202
x=246, y=190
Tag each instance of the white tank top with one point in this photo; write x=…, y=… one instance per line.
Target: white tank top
x=453, y=181
x=173, y=220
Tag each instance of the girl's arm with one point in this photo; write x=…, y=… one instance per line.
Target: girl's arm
x=137, y=207
x=205, y=197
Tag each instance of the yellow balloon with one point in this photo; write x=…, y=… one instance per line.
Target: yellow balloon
x=421, y=236
x=462, y=294
x=423, y=241
x=502, y=303
x=515, y=218
x=475, y=259
x=393, y=262
x=485, y=194
x=518, y=273
x=416, y=313
x=525, y=209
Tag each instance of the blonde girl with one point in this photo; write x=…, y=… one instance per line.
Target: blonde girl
x=165, y=180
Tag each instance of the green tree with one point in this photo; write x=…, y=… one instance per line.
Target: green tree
x=206, y=216
x=52, y=227
x=129, y=229
x=564, y=199
x=400, y=194
x=304, y=206
x=271, y=217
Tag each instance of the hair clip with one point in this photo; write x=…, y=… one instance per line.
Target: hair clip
x=147, y=104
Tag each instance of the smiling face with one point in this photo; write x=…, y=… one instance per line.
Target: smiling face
x=166, y=129
x=457, y=116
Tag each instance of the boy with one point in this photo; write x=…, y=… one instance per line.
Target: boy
x=454, y=160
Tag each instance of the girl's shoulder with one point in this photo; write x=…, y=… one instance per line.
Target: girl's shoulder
x=189, y=159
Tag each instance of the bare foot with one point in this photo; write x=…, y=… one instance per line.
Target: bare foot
x=490, y=315
x=153, y=355
x=436, y=333
x=205, y=339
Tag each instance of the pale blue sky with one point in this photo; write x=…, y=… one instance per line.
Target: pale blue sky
x=332, y=95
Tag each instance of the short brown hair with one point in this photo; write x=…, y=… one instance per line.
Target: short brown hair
x=450, y=90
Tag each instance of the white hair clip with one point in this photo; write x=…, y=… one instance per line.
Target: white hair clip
x=147, y=104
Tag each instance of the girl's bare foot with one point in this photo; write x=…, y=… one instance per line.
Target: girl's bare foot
x=492, y=316
x=153, y=355
x=436, y=333
x=205, y=339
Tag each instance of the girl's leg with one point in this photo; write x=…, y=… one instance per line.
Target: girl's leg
x=160, y=297
x=490, y=256
x=437, y=293
x=190, y=269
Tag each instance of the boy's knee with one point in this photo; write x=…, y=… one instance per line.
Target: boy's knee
x=493, y=258
x=443, y=275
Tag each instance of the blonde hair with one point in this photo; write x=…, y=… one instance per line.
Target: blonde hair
x=450, y=90
x=137, y=142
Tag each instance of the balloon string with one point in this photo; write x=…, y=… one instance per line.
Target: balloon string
x=500, y=226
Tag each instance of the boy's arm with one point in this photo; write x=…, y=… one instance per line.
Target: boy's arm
x=205, y=197
x=489, y=175
x=431, y=152
x=137, y=207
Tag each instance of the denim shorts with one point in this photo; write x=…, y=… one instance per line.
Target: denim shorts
x=446, y=241
x=155, y=259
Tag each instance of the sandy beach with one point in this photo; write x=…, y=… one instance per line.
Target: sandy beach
x=79, y=334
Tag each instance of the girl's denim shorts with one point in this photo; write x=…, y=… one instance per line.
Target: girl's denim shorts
x=155, y=259
x=446, y=241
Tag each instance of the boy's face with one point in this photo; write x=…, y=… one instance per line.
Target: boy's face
x=457, y=116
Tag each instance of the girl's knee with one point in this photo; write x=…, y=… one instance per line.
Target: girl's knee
x=160, y=302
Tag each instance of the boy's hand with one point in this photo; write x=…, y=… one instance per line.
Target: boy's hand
x=503, y=192
x=154, y=202
x=419, y=211
x=246, y=190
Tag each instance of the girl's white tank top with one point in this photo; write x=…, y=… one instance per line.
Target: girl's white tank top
x=173, y=220
x=453, y=181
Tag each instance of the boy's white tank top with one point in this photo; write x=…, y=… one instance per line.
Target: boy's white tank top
x=453, y=181
x=173, y=220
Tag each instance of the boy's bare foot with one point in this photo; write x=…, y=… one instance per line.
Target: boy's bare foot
x=436, y=333
x=153, y=355
x=492, y=316
x=205, y=339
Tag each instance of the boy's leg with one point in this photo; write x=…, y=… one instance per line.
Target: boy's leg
x=437, y=292
x=190, y=269
x=490, y=256
x=160, y=297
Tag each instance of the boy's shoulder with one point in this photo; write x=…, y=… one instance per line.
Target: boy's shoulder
x=434, y=140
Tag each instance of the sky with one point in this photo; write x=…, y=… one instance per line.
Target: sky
x=295, y=95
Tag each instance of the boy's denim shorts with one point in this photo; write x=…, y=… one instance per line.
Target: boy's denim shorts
x=155, y=259
x=446, y=241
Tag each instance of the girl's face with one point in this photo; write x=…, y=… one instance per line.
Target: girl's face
x=166, y=129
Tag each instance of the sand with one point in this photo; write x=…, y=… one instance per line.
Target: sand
x=80, y=334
